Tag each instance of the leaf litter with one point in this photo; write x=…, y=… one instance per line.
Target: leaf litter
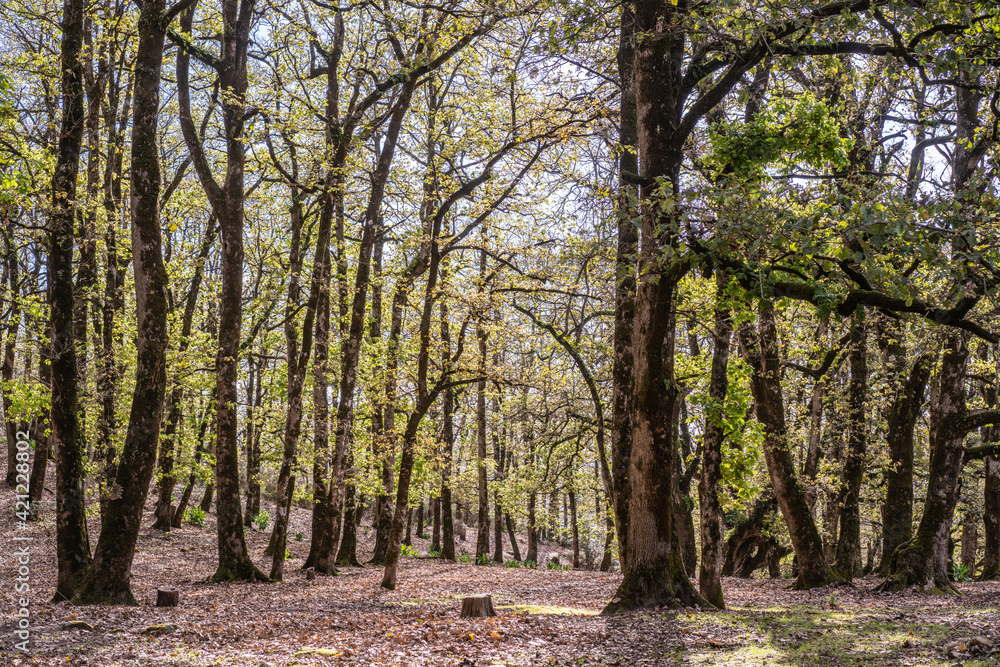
x=545, y=617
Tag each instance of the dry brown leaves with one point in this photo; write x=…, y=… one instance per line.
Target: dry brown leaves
x=545, y=617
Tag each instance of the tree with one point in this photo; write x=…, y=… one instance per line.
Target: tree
x=72, y=541
x=227, y=202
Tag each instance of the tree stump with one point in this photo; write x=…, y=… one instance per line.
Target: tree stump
x=167, y=596
x=476, y=606
x=310, y=573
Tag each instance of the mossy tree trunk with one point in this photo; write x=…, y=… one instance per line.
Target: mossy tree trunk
x=108, y=581
x=991, y=488
x=227, y=201
x=849, y=544
x=760, y=349
x=897, y=508
x=713, y=530
x=72, y=542
x=922, y=562
x=625, y=284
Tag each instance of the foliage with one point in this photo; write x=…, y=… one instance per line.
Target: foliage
x=261, y=520
x=195, y=516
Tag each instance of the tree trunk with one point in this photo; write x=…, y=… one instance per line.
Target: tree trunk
x=163, y=511
x=576, y=530
x=447, y=430
x=347, y=553
x=849, y=543
x=683, y=505
x=109, y=580
x=72, y=542
x=254, y=399
x=532, y=555
x=897, y=508
x=497, y=527
x=178, y=511
x=923, y=561
x=991, y=488
x=436, y=530
x=748, y=546
x=483, y=518
x=713, y=529
x=7, y=369
x=321, y=555
x=513, y=538
x=761, y=352
x=227, y=201
x=970, y=542
x=206, y=499
x=297, y=363
x=625, y=285
x=43, y=449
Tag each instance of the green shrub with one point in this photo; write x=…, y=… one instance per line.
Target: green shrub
x=261, y=520
x=434, y=553
x=512, y=563
x=482, y=560
x=298, y=536
x=465, y=558
x=960, y=572
x=195, y=516
x=407, y=550
x=532, y=564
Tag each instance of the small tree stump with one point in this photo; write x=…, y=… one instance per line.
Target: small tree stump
x=310, y=573
x=476, y=606
x=167, y=596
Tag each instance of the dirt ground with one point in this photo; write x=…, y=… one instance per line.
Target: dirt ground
x=545, y=617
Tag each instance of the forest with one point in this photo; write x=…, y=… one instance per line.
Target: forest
x=671, y=325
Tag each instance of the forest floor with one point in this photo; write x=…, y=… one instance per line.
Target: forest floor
x=546, y=617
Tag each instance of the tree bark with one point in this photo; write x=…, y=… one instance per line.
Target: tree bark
x=849, y=544
x=7, y=369
x=43, y=440
x=347, y=553
x=109, y=580
x=163, y=511
x=72, y=543
x=447, y=429
x=178, y=511
x=760, y=349
x=713, y=530
x=227, y=201
x=923, y=561
x=897, y=508
x=970, y=542
x=625, y=285
x=991, y=488
x=483, y=518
